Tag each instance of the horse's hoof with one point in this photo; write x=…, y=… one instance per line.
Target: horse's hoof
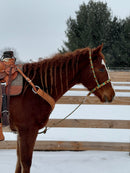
x=2, y=137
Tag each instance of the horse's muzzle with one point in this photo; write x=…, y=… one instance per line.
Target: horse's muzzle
x=108, y=97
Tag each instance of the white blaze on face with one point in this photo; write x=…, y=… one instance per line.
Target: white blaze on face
x=103, y=63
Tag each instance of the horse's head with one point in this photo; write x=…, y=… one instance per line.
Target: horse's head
x=95, y=76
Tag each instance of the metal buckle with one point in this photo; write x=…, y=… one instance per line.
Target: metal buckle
x=36, y=87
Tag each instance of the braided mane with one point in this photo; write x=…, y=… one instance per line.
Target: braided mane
x=48, y=69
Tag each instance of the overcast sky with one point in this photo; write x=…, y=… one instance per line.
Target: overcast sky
x=36, y=28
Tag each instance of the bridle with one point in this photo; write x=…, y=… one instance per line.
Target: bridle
x=94, y=75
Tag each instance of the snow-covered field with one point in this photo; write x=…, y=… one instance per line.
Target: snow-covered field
x=70, y=162
x=85, y=161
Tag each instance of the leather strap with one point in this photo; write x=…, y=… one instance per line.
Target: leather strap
x=5, y=110
x=38, y=91
x=45, y=96
x=94, y=75
x=0, y=101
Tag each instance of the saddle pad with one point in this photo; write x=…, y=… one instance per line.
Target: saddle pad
x=0, y=100
x=16, y=85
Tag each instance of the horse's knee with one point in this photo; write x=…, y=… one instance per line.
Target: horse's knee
x=18, y=165
x=26, y=162
x=18, y=168
x=25, y=165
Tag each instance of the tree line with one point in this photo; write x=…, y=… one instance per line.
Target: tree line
x=94, y=24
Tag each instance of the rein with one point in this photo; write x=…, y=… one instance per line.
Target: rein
x=90, y=92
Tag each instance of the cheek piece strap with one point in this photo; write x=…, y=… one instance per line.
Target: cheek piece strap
x=94, y=75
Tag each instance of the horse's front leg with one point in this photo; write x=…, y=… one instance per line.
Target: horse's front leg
x=18, y=165
x=26, y=141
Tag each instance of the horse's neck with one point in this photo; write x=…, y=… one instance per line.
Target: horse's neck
x=56, y=76
x=62, y=77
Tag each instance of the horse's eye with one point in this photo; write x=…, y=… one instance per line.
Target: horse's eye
x=101, y=70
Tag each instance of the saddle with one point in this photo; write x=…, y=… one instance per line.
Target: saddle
x=7, y=66
x=10, y=84
x=9, y=74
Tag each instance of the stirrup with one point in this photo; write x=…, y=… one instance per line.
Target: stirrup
x=1, y=133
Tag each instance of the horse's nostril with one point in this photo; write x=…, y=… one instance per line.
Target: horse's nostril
x=113, y=97
x=106, y=99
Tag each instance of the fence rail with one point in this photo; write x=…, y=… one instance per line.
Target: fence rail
x=85, y=123
x=92, y=100
x=90, y=123
x=78, y=145
x=121, y=76
x=71, y=146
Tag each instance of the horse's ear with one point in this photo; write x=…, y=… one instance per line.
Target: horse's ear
x=98, y=49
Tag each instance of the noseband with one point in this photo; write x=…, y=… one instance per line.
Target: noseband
x=94, y=75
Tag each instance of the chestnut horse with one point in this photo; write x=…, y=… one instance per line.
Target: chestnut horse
x=29, y=112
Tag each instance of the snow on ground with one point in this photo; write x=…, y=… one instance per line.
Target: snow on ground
x=122, y=83
x=114, y=112
x=83, y=161
x=70, y=162
x=80, y=134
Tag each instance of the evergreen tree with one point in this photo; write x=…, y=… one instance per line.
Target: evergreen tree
x=93, y=26
x=89, y=28
x=126, y=41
